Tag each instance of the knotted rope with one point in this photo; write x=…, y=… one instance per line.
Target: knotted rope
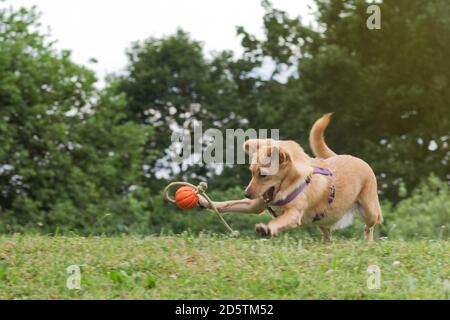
x=200, y=191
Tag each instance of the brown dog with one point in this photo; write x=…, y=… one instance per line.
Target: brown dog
x=325, y=191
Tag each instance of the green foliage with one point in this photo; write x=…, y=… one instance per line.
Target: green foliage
x=69, y=158
x=128, y=276
x=150, y=282
x=3, y=271
x=170, y=83
x=118, y=277
x=386, y=87
x=220, y=267
x=426, y=214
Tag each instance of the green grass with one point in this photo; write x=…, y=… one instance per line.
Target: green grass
x=218, y=267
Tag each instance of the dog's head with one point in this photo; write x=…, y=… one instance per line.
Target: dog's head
x=274, y=165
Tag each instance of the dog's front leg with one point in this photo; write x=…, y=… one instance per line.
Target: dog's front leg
x=291, y=218
x=243, y=206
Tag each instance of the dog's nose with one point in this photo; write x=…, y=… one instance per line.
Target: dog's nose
x=248, y=195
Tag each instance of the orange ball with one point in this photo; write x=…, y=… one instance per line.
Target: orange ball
x=186, y=198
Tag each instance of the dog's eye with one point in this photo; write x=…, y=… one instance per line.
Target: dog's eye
x=262, y=174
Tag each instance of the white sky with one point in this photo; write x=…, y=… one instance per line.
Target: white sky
x=103, y=29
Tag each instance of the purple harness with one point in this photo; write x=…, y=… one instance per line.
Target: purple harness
x=304, y=184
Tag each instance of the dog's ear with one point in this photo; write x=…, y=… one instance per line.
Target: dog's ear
x=278, y=153
x=248, y=144
x=252, y=145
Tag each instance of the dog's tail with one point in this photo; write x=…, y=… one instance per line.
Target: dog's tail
x=316, y=139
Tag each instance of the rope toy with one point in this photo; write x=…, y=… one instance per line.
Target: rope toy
x=186, y=197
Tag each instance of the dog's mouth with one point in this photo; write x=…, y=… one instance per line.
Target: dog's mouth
x=268, y=195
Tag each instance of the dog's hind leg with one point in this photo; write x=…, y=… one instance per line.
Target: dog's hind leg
x=326, y=234
x=371, y=207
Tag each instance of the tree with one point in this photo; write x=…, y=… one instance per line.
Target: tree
x=386, y=87
x=171, y=85
x=68, y=155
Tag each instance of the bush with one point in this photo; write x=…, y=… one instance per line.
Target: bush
x=426, y=213
x=70, y=160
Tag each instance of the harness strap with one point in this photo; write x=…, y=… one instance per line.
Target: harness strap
x=327, y=172
x=303, y=185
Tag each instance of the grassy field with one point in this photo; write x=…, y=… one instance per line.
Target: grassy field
x=218, y=267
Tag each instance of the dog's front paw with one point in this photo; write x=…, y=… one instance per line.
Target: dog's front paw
x=263, y=230
x=203, y=203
